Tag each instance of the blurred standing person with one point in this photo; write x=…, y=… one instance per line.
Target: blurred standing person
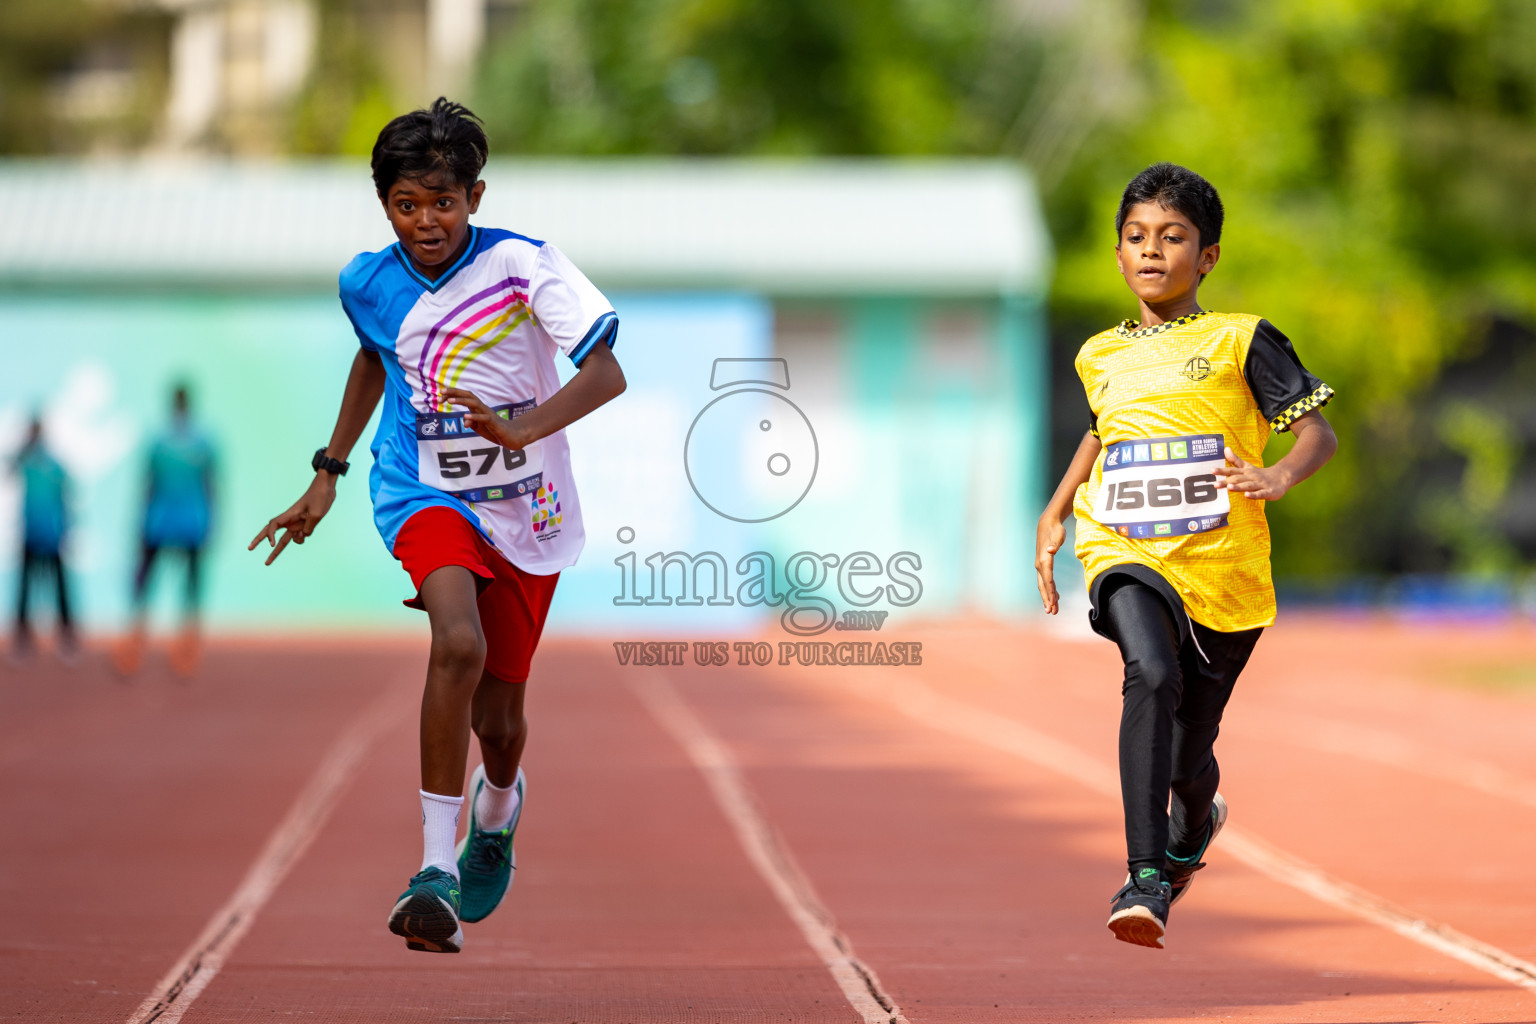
x=44, y=516
x=178, y=510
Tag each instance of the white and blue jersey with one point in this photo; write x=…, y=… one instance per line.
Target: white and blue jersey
x=491, y=324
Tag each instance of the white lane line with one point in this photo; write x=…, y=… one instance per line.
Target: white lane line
x=1334, y=736
x=1293, y=871
x=198, y=966
x=917, y=701
x=765, y=849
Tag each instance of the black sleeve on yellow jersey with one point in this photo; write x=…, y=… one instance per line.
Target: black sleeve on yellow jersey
x=1093, y=423
x=1281, y=386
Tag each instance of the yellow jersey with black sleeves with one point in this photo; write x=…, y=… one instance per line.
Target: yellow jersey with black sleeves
x=1165, y=401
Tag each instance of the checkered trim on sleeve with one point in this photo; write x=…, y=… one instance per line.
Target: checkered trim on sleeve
x=1316, y=400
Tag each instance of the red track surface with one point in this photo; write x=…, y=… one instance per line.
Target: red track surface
x=974, y=881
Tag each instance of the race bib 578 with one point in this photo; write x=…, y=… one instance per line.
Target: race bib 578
x=456, y=460
x=1163, y=487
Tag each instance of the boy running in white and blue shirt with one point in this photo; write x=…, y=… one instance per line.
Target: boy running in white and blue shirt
x=458, y=328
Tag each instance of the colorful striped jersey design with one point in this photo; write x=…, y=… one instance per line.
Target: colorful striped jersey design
x=492, y=324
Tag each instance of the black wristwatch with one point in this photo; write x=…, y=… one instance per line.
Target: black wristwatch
x=330, y=465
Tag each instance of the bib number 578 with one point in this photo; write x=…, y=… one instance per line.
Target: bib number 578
x=457, y=465
x=1162, y=492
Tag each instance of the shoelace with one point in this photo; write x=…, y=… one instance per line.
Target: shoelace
x=486, y=853
x=1138, y=885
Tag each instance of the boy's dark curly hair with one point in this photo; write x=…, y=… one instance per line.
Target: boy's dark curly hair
x=445, y=139
x=1176, y=188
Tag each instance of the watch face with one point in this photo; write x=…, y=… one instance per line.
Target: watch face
x=751, y=455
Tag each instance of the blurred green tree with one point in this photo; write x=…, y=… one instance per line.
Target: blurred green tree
x=40, y=40
x=346, y=100
x=779, y=77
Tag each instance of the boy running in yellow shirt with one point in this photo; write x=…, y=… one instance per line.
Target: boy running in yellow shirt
x=1168, y=486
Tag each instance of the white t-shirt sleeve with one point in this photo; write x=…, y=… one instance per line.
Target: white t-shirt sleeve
x=569, y=307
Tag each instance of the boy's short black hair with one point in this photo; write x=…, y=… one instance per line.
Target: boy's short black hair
x=445, y=139
x=1179, y=189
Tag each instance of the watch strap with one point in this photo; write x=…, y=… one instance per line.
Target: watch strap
x=330, y=465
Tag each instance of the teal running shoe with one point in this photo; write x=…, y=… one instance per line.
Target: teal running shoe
x=427, y=913
x=486, y=860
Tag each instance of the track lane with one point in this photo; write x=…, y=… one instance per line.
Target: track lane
x=1302, y=753
x=972, y=882
x=133, y=808
x=633, y=901
x=1240, y=943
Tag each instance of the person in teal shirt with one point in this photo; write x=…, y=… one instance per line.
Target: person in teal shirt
x=44, y=519
x=178, y=512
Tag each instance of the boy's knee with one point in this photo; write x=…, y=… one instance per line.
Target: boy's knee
x=1187, y=770
x=1159, y=679
x=459, y=648
x=500, y=731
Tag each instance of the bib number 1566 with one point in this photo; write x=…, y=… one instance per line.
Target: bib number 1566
x=1162, y=487
x=1160, y=492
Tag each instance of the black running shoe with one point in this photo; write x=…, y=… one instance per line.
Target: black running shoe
x=1139, y=911
x=1179, y=872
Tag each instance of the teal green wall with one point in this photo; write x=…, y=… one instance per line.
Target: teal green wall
x=266, y=372
x=947, y=444
x=923, y=449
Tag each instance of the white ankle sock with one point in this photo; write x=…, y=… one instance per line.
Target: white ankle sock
x=439, y=831
x=495, y=806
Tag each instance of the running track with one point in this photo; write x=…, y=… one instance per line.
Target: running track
x=731, y=844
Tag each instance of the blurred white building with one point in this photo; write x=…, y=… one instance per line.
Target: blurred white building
x=234, y=59
x=223, y=75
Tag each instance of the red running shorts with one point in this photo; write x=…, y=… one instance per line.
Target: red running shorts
x=513, y=603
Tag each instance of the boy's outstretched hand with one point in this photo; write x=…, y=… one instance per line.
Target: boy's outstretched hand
x=301, y=518
x=1049, y=536
x=1257, y=482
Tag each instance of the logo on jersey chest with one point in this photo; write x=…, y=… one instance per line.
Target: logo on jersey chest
x=1198, y=368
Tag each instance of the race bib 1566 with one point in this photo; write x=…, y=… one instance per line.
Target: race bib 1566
x=1163, y=487
x=456, y=460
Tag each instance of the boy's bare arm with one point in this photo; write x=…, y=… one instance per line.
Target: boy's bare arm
x=365, y=384
x=1050, y=534
x=598, y=382
x=1315, y=445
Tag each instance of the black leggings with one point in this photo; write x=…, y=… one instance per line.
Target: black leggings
x=194, y=591
x=31, y=562
x=1173, y=700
